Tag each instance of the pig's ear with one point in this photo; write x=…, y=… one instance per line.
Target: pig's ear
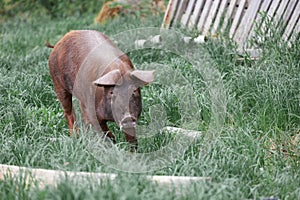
x=144, y=76
x=109, y=79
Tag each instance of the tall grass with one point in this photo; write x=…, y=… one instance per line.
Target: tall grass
x=255, y=154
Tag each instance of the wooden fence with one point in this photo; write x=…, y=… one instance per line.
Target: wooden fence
x=236, y=18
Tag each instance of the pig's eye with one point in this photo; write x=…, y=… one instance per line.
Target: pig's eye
x=111, y=91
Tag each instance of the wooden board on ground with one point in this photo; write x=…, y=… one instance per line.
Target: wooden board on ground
x=46, y=177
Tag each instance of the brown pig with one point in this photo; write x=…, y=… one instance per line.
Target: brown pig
x=86, y=64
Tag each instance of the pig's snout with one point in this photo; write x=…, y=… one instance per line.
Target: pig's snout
x=128, y=121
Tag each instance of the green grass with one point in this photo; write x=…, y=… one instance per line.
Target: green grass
x=252, y=155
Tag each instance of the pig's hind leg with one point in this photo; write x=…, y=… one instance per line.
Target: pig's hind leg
x=65, y=99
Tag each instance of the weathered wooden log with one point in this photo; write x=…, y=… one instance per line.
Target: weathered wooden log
x=46, y=177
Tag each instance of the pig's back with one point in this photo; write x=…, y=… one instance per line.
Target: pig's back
x=83, y=51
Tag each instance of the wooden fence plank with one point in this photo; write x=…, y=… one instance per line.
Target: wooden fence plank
x=258, y=22
x=265, y=5
x=296, y=33
x=219, y=16
x=204, y=14
x=196, y=14
x=228, y=15
x=211, y=16
x=293, y=23
x=281, y=8
x=286, y=16
x=271, y=12
x=273, y=7
x=180, y=9
x=187, y=14
x=247, y=22
x=170, y=11
x=237, y=18
x=289, y=10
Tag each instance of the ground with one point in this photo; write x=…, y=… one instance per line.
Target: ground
x=254, y=154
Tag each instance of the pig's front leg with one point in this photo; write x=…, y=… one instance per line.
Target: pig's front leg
x=131, y=139
x=105, y=128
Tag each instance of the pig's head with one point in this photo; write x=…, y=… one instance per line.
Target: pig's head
x=123, y=97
